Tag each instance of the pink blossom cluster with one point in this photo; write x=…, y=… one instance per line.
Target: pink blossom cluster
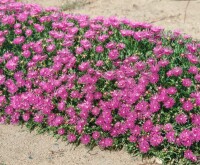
x=100, y=81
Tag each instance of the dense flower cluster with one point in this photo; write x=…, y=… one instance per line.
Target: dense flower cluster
x=102, y=81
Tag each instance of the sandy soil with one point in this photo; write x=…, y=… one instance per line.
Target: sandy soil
x=19, y=147
x=170, y=14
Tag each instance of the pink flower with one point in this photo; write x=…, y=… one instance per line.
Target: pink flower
x=126, y=33
x=28, y=32
x=192, y=58
x=193, y=70
x=71, y=137
x=144, y=147
x=106, y=142
x=181, y=118
x=7, y=55
x=176, y=71
x=163, y=63
x=9, y=110
x=95, y=135
x=85, y=139
x=26, y=53
x=51, y=48
x=99, y=49
x=140, y=65
x=61, y=106
x=121, y=84
x=12, y=64
x=154, y=68
x=139, y=35
x=158, y=51
x=168, y=127
x=136, y=130
x=86, y=44
x=188, y=154
x=61, y=131
x=196, y=119
x=169, y=103
x=95, y=111
x=2, y=79
x=19, y=40
x=132, y=138
x=58, y=121
x=2, y=119
x=2, y=40
x=84, y=66
x=172, y=90
x=191, y=47
x=170, y=136
x=22, y=17
x=186, y=138
x=196, y=134
x=154, y=106
x=8, y=20
x=197, y=77
x=99, y=63
x=39, y=28
x=197, y=101
x=121, y=46
x=103, y=37
x=187, y=106
x=18, y=31
x=186, y=82
x=182, y=100
x=156, y=140
x=79, y=50
x=109, y=75
x=154, y=78
x=168, y=51
x=113, y=54
x=147, y=126
x=38, y=118
x=26, y=116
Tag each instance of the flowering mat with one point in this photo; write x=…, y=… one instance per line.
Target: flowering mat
x=102, y=81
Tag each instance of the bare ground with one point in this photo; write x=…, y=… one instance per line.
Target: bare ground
x=20, y=147
x=170, y=14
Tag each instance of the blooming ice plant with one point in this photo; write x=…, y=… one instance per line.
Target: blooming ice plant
x=103, y=81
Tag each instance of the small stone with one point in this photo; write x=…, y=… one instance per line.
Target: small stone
x=30, y=157
x=158, y=161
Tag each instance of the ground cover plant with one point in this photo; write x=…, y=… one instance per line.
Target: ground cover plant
x=102, y=81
